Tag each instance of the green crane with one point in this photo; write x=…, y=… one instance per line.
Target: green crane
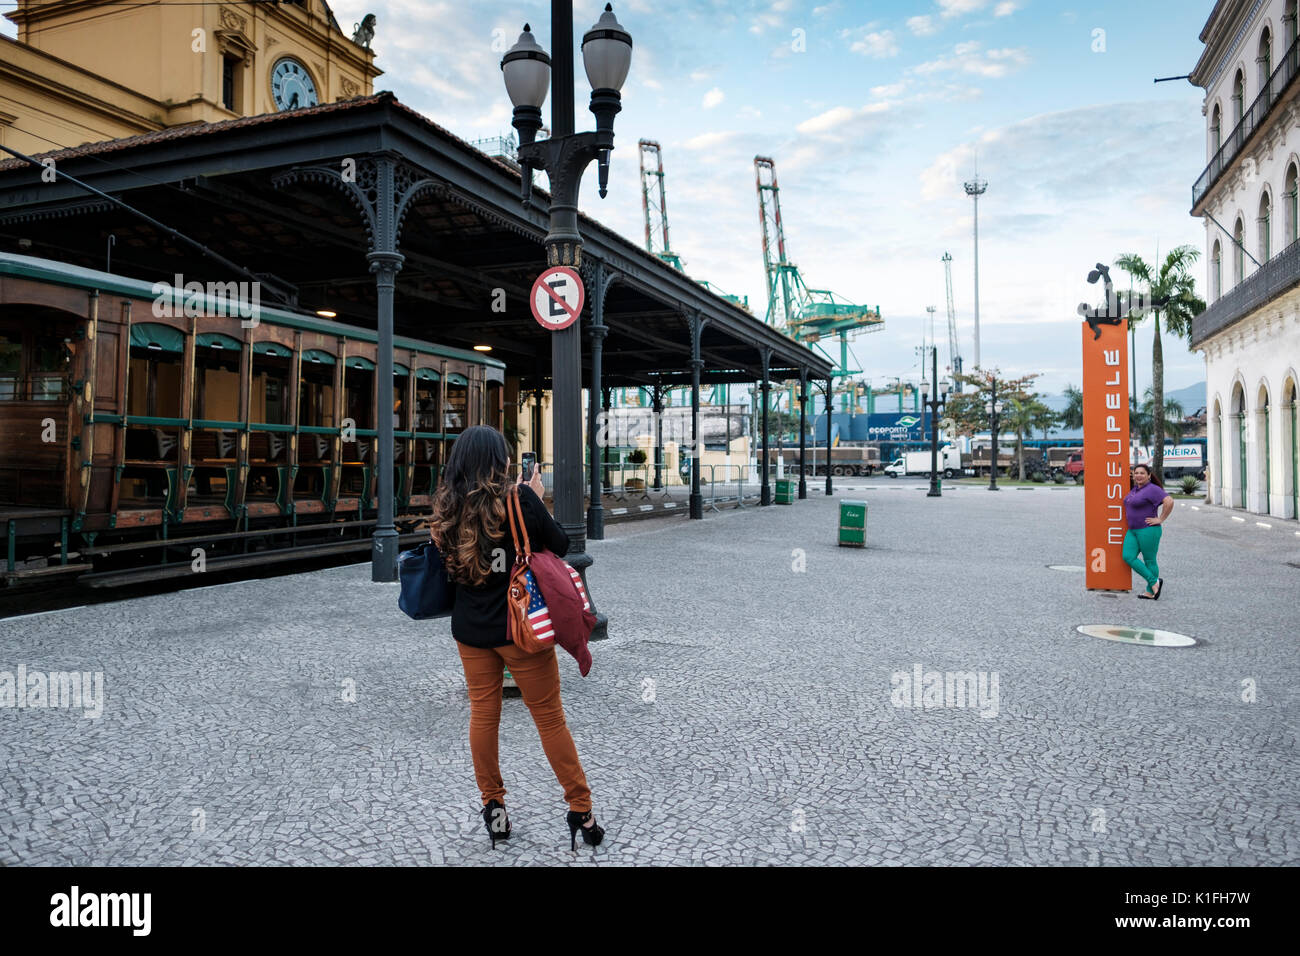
x=805, y=314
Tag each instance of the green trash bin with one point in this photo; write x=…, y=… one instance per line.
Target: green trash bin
x=785, y=491
x=853, y=524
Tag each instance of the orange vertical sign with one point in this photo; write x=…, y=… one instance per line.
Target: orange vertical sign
x=1105, y=455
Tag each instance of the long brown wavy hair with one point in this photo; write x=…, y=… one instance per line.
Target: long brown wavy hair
x=469, y=507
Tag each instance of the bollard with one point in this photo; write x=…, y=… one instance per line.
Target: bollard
x=853, y=524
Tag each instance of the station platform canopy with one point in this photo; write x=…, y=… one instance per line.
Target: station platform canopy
x=256, y=191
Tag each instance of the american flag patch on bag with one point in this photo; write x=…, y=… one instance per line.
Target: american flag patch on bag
x=577, y=583
x=539, y=616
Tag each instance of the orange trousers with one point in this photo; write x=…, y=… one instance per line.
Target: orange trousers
x=538, y=677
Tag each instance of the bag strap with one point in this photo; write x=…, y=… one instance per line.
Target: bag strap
x=514, y=511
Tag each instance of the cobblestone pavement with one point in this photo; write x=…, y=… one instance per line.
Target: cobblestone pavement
x=743, y=711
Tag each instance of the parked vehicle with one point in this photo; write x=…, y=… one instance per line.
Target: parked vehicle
x=861, y=460
x=950, y=462
x=980, y=460
x=1058, y=460
x=1186, y=458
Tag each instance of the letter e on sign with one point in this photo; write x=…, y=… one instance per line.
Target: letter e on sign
x=557, y=298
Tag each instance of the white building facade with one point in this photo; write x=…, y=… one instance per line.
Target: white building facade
x=1249, y=199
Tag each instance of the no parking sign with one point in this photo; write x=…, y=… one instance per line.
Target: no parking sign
x=558, y=297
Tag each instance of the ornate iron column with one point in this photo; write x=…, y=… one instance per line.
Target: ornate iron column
x=803, y=432
x=382, y=187
x=765, y=492
x=830, y=393
x=697, y=323
x=598, y=423
x=657, y=398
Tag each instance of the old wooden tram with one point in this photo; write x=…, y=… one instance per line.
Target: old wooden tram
x=144, y=428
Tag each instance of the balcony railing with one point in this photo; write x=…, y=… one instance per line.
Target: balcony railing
x=1254, y=117
x=1264, y=284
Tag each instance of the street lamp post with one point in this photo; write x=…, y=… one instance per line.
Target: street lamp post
x=527, y=71
x=934, y=404
x=994, y=408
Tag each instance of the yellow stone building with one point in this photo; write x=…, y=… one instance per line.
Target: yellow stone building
x=90, y=70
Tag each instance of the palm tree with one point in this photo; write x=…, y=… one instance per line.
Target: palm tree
x=1173, y=416
x=1172, y=294
x=1022, y=416
x=1072, y=415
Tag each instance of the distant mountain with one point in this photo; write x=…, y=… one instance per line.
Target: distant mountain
x=1191, y=398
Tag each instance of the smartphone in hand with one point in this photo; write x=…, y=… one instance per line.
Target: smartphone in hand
x=527, y=463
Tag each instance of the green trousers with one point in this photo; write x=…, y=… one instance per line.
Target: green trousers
x=1147, y=541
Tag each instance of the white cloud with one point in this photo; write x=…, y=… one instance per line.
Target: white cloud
x=955, y=8
x=700, y=75
x=888, y=91
x=1006, y=8
x=966, y=58
x=709, y=140
x=877, y=45
x=834, y=119
x=922, y=26
x=713, y=98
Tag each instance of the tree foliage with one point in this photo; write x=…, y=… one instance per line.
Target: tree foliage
x=1172, y=294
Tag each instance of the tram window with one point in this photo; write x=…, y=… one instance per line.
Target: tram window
x=33, y=367
x=269, y=398
x=426, y=406
x=457, y=406
x=316, y=398
x=155, y=384
x=216, y=386
x=47, y=368
x=11, y=360
x=358, y=397
x=399, y=405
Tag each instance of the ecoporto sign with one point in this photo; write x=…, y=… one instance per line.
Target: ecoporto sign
x=1105, y=440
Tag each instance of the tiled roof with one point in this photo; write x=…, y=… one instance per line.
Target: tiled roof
x=190, y=131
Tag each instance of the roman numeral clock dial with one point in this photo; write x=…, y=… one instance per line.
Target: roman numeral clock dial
x=291, y=85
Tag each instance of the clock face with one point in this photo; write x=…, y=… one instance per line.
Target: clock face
x=291, y=85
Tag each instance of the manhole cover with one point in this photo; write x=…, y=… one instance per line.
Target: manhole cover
x=1152, y=637
x=1066, y=567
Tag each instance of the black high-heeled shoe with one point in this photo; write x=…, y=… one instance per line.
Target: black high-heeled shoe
x=496, y=821
x=591, y=835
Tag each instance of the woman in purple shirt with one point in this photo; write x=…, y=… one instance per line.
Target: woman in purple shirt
x=1146, y=507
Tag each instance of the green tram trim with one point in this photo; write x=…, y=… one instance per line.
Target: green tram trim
x=58, y=273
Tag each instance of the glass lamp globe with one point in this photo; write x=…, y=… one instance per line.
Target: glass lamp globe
x=607, y=52
x=526, y=68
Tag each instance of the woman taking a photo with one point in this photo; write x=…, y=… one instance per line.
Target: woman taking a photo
x=470, y=530
x=1146, y=507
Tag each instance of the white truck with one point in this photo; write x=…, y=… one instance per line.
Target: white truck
x=1183, y=459
x=949, y=463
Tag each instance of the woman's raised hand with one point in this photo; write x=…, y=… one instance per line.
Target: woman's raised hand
x=535, y=482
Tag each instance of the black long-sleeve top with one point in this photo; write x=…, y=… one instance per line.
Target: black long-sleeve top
x=478, y=618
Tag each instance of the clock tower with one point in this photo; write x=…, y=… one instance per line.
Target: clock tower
x=155, y=65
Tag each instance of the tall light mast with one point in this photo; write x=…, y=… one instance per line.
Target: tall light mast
x=954, y=350
x=976, y=188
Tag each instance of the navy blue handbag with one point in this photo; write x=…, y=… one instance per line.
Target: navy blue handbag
x=426, y=590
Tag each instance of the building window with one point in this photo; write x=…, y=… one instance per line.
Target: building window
x=1265, y=61
x=1216, y=271
x=1288, y=24
x=230, y=72
x=1238, y=252
x=1216, y=130
x=1265, y=233
x=1292, y=211
x=1238, y=97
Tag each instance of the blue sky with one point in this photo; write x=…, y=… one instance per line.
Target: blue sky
x=874, y=124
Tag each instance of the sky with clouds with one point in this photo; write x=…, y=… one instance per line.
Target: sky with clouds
x=874, y=112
